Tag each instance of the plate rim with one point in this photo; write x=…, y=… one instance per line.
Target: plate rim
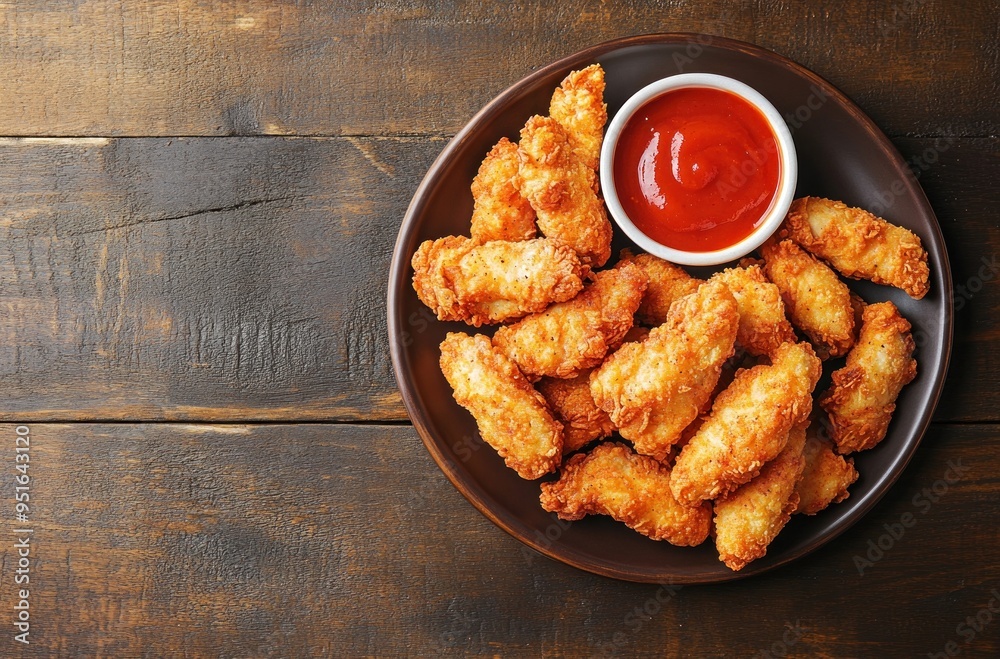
x=400, y=263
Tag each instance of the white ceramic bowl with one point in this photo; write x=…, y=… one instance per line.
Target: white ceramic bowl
x=788, y=169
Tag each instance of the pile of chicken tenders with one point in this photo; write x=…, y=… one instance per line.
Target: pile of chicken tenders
x=679, y=406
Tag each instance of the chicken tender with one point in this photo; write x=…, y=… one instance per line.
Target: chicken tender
x=496, y=281
x=578, y=105
x=573, y=406
x=500, y=212
x=763, y=325
x=574, y=335
x=654, y=389
x=631, y=488
x=826, y=477
x=748, y=425
x=863, y=395
x=817, y=302
x=512, y=417
x=559, y=187
x=747, y=520
x=860, y=245
x=667, y=282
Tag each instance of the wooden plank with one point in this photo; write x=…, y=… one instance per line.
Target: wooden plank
x=341, y=540
x=249, y=67
x=244, y=278
x=207, y=278
x=949, y=172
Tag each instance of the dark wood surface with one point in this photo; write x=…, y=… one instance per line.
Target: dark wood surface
x=200, y=204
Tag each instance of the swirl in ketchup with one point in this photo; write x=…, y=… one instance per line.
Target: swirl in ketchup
x=697, y=168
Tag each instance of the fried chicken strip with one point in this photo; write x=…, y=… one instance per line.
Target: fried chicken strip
x=817, y=302
x=748, y=519
x=826, y=477
x=573, y=406
x=631, y=488
x=512, y=417
x=748, y=425
x=558, y=186
x=654, y=389
x=574, y=335
x=667, y=282
x=763, y=325
x=496, y=281
x=862, y=397
x=500, y=212
x=578, y=105
x=860, y=245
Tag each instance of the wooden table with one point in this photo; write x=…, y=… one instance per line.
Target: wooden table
x=200, y=203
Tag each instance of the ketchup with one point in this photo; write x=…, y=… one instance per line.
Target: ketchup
x=696, y=168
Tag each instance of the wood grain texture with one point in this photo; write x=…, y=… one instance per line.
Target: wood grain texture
x=244, y=278
x=317, y=540
x=105, y=68
x=224, y=278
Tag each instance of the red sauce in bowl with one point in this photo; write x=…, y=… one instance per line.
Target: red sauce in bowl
x=697, y=168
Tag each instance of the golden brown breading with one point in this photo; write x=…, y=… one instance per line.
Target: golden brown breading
x=817, y=302
x=667, y=282
x=578, y=105
x=496, y=281
x=826, y=476
x=572, y=405
x=501, y=212
x=747, y=520
x=631, y=488
x=763, y=325
x=860, y=245
x=748, y=425
x=512, y=417
x=654, y=389
x=571, y=336
x=432, y=263
x=558, y=187
x=862, y=398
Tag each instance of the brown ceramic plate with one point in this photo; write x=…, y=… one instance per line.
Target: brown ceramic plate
x=842, y=155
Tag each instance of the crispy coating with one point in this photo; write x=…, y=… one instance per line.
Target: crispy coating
x=631, y=488
x=748, y=425
x=432, y=263
x=654, y=389
x=500, y=212
x=559, y=187
x=571, y=336
x=860, y=245
x=763, y=325
x=578, y=105
x=667, y=282
x=512, y=417
x=817, y=301
x=862, y=397
x=826, y=476
x=748, y=519
x=496, y=281
x=573, y=406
